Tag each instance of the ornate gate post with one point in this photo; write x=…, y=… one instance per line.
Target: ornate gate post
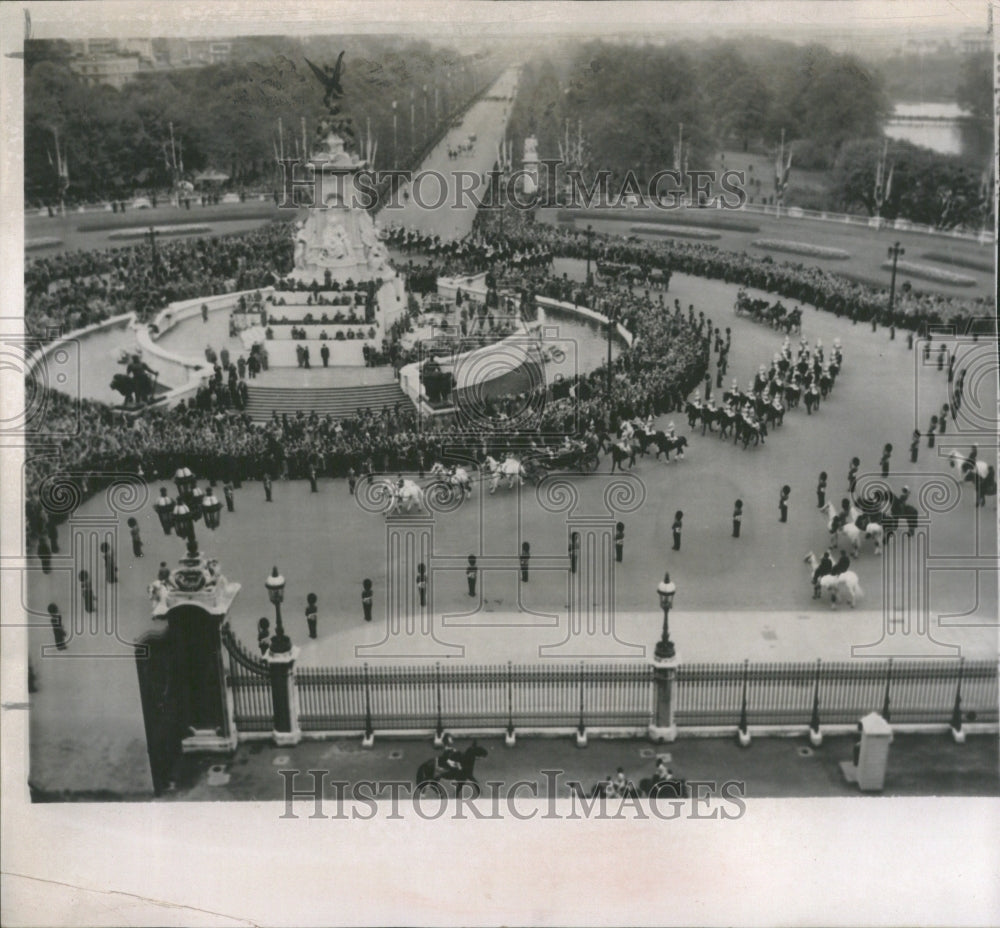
x=195, y=602
x=285, y=697
x=663, y=726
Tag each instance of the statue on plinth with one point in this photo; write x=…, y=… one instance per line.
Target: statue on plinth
x=339, y=122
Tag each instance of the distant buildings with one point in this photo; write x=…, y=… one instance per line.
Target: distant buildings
x=115, y=62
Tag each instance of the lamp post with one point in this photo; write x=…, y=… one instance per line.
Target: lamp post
x=275, y=584
x=184, y=513
x=590, y=235
x=895, y=251
x=665, y=647
x=156, y=261
x=612, y=314
x=395, y=138
x=212, y=509
x=184, y=523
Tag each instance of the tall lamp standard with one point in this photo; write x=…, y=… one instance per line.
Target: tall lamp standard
x=665, y=647
x=895, y=251
x=612, y=314
x=275, y=584
x=395, y=137
x=156, y=260
x=590, y=235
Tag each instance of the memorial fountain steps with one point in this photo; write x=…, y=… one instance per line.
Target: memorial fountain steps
x=338, y=402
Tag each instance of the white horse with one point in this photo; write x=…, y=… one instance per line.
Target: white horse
x=970, y=469
x=405, y=497
x=455, y=476
x=850, y=530
x=510, y=469
x=157, y=591
x=845, y=585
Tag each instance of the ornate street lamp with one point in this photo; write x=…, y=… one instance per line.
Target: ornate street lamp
x=666, y=590
x=280, y=642
x=164, y=507
x=184, y=480
x=184, y=522
x=896, y=251
x=212, y=509
x=195, y=500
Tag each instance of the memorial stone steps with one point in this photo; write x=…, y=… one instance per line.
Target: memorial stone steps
x=336, y=401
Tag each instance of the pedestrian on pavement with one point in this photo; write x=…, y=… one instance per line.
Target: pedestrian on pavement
x=852, y=474
x=884, y=462
x=263, y=634
x=163, y=574
x=133, y=530
x=525, y=558
x=267, y=487
x=708, y=387
x=204, y=312
x=87, y=592
x=110, y=568
x=943, y=419
x=352, y=480
x=311, y=613
x=312, y=479
x=909, y=340
x=471, y=574
x=619, y=541
x=58, y=632
x=783, y=503
x=422, y=583
x=932, y=431
x=940, y=360
x=44, y=553
x=227, y=491
x=821, y=490
x=737, y=518
x=366, y=599
x=574, y=550
x=914, y=446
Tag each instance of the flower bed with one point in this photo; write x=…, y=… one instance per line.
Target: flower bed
x=973, y=264
x=800, y=248
x=189, y=229
x=927, y=272
x=707, y=218
x=650, y=228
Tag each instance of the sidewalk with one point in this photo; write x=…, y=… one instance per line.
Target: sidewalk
x=919, y=765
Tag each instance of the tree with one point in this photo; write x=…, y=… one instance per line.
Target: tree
x=975, y=89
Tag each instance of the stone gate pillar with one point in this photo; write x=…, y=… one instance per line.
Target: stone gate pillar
x=195, y=603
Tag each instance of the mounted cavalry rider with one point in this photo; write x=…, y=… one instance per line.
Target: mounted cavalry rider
x=823, y=569
x=449, y=760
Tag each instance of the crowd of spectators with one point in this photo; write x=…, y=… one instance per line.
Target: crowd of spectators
x=74, y=289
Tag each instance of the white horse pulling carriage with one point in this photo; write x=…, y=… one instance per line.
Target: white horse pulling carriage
x=456, y=477
x=404, y=494
x=510, y=470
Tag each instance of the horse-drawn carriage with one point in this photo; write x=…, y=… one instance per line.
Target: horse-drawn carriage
x=574, y=454
x=774, y=314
